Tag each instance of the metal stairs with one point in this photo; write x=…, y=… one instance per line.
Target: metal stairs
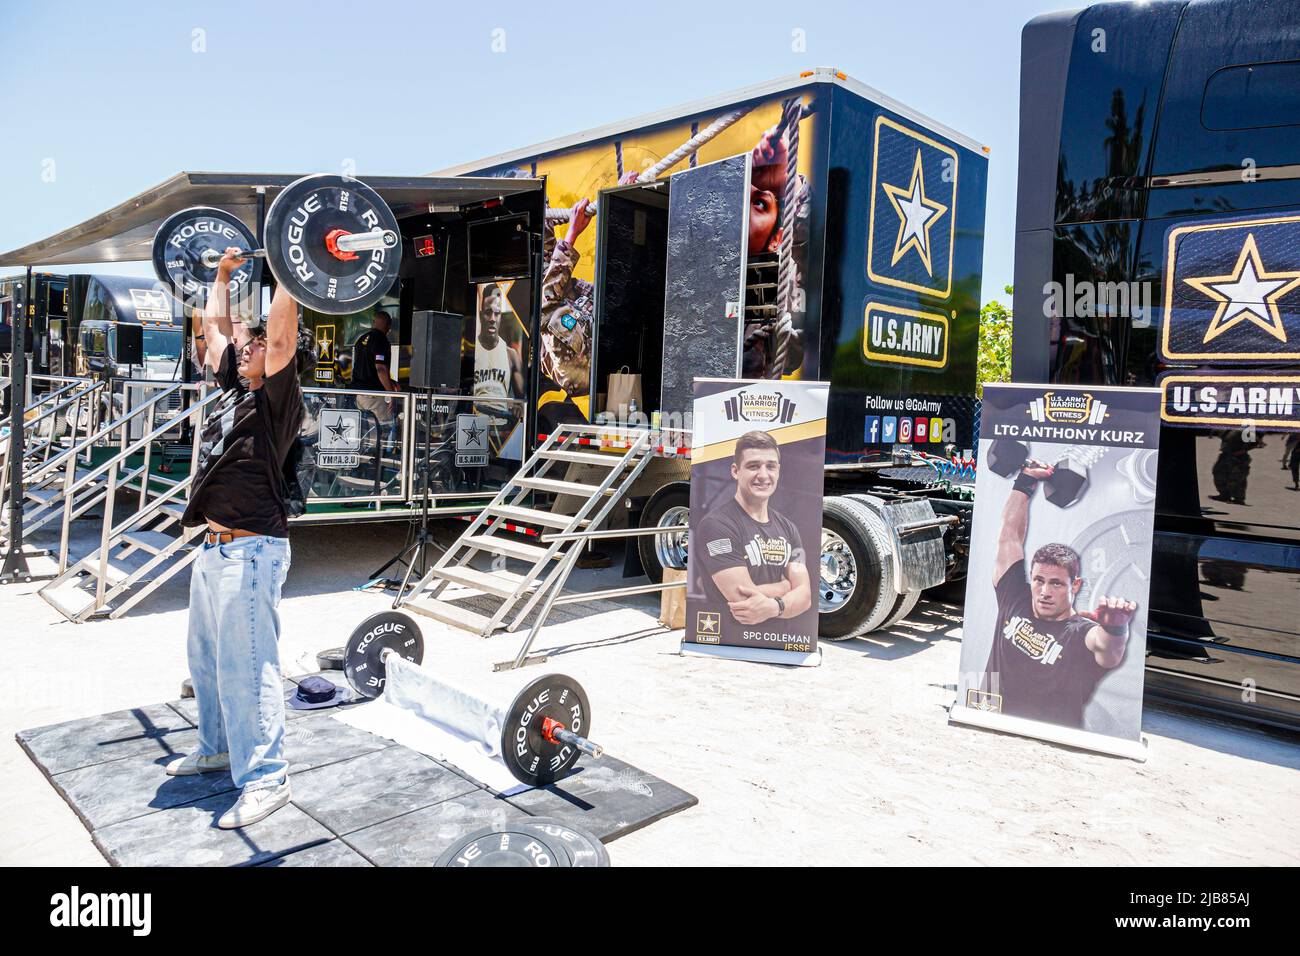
x=512, y=595
x=96, y=583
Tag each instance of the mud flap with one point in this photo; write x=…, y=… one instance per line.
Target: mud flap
x=917, y=537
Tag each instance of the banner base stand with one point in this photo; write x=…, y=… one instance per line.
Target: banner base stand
x=762, y=655
x=1069, y=736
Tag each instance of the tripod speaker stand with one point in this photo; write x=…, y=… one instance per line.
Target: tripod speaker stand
x=435, y=365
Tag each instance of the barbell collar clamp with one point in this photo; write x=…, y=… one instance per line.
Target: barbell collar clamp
x=555, y=731
x=367, y=241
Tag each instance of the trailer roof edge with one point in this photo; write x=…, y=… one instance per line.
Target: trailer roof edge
x=778, y=85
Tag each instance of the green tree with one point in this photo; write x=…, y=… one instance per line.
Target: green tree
x=994, y=344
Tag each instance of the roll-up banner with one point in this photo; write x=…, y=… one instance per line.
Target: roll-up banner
x=756, y=515
x=1054, y=637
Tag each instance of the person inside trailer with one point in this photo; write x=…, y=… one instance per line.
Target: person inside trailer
x=370, y=371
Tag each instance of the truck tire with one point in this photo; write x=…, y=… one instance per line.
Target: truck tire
x=855, y=589
x=669, y=505
x=902, y=608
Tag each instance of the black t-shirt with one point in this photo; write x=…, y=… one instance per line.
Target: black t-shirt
x=1044, y=669
x=370, y=351
x=244, y=442
x=729, y=538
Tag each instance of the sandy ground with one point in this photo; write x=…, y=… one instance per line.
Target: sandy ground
x=852, y=762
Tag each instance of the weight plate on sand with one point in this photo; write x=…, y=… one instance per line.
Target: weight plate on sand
x=330, y=660
x=300, y=225
x=532, y=758
x=363, y=664
x=510, y=844
x=583, y=847
x=181, y=241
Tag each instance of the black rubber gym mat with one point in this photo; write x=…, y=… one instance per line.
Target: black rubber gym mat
x=358, y=799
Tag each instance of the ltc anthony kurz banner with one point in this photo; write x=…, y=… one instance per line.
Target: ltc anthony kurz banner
x=756, y=515
x=1054, y=640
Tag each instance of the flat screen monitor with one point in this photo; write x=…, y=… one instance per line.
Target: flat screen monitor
x=498, y=248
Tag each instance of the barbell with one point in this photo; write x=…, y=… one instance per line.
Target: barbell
x=331, y=242
x=539, y=736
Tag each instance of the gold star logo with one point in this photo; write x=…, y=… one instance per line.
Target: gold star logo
x=707, y=622
x=325, y=343
x=916, y=214
x=1250, y=292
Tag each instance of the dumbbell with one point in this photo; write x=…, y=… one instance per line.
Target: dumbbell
x=1069, y=478
x=1006, y=457
x=539, y=735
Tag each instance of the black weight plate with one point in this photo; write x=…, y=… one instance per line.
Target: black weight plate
x=308, y=210
x=362, y=663
x=180, y=242
x=510, y=844
x=532, y=758
x=330, y=660
x=584, y=848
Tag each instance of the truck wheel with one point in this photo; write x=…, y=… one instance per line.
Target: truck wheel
x=670, y=505
x=902, y=608
x=855, y=588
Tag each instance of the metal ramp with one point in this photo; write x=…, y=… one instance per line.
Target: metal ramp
x=97, y=583
x=544, y=570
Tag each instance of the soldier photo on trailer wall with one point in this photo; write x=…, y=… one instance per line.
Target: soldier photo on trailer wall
x=499, y=383
x=780, y=136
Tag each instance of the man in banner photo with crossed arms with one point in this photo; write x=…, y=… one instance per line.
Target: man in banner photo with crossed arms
x=753, y=557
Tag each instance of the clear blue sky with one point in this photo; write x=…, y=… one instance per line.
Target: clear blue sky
x=108, y=99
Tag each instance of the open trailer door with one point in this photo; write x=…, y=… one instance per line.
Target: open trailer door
x=708, y=239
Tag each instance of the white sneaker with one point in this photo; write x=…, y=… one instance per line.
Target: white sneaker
x=198, y=763
x=254, y=805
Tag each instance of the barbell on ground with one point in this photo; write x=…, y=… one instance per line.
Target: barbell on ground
x=539, y=736
x=331, y=242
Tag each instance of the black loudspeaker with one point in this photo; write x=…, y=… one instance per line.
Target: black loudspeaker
x=435, y=349
x=130, y=344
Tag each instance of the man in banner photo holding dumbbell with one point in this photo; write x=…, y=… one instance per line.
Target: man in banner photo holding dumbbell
x=238, y=493
x=1047, y=659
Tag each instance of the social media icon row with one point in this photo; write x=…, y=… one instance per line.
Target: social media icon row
x=892, y=429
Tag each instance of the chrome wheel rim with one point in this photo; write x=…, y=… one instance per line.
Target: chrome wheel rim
x=839, y=573
x=670, y=549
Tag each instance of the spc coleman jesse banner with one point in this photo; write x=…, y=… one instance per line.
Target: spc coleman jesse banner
x=1054, y=637
x=756, y=518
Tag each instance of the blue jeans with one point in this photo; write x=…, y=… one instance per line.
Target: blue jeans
x=234, y=655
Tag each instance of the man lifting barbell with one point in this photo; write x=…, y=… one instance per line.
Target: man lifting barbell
x=1047, y=659
x=235, y=584
x=315, y=229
